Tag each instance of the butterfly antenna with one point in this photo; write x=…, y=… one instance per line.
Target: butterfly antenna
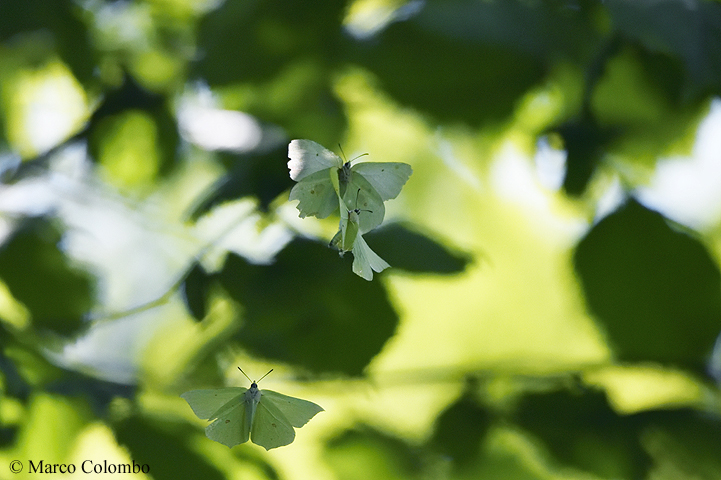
x=246, y=376
x=261, y=378
x=346, y=158
x=343, y=154
x=356, y=203
x=361, y=155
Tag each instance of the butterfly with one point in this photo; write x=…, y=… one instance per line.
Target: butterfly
x=265, y=417
x=349, y=238
x=369, y=184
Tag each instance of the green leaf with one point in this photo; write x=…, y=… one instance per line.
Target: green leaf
x=640, y=100
x=13, y=383
x=364, y=453
x=281, y=64
x=131, y=98
x=195, y=289
x=52, y=423
x=580, y=429
x=407, y=249
x=264, y=36
x=653, y=288
x=40, y=276
x=686, y=31
x=470, y=61
x=309, y=309
x=684, y=444
x=460, y=429
x=585, y=142
x=62, y=19
x=259, y=174
x=164, y=448
x=98, y=393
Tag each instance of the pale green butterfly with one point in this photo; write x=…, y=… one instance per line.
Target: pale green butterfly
x=350, y=238
x=265, y=417
x=316, y=169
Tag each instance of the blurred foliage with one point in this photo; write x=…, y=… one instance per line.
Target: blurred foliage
x=296, y=316
x=655, y=289
x=39, y=275
x=163, y=446
x=139, y=259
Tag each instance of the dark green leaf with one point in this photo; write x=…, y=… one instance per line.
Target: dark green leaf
x=309, y=309
x=684, y=444
x=585, y=143
x=688, y=31
x=380, y=455
x=62, y=19
x=162, y=446
x=460, y=430
x=195, y=289
x=98, y=393
x=263, y=175
x=406, y=249
x=480, y=56
x=40, y=276
x=255, y=40
x=581, y=430
x=654, y=289
x=132, y=96
x=12, y=381
x=284, y=56
x=7, y=435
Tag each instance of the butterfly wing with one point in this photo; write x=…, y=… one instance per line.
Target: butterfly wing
x=365, y=260
x=360, y=194
x=387, y=178
x=315, y=194
x=271, y=429
x=342, y=239
x=337, y=241
x=296, y=410
x=307, y=157
x=230, y=409
x=207, y=403
x=232, y=426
